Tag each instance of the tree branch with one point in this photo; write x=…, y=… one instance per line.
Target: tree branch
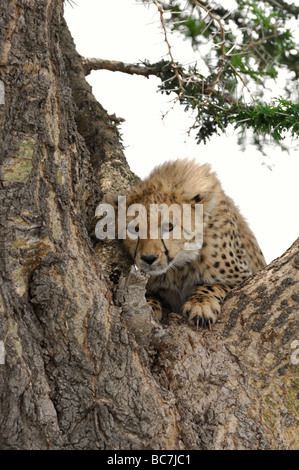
x=181, y=91
x=222, y=44
x=90, y=64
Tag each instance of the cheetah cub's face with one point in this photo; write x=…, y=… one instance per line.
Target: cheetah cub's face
x=161, y=219
x=159, y=231
x=164, y=242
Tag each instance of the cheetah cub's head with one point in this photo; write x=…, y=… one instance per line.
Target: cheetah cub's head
x=161, y=220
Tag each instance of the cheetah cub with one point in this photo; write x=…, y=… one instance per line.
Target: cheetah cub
x=189, y=279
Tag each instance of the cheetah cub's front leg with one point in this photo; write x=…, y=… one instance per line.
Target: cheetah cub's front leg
x=204, y=305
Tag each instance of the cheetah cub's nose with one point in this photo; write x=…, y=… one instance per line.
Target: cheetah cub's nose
x=149, y=259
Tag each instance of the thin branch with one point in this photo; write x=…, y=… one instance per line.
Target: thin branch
x=218, y=20
x=174, y=65
x=222, y=43
x=241, y=78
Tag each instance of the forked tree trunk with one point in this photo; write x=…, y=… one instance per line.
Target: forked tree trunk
x=85, y=367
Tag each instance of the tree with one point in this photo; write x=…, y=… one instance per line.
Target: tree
x=242, y=51
x=85, y=365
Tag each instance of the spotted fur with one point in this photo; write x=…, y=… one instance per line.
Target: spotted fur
x=194, y=282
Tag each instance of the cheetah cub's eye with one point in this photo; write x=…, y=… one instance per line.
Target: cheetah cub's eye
x=166, y=227
x=197, y=198
x=133, y=229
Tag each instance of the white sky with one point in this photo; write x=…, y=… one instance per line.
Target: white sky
x=126, y=31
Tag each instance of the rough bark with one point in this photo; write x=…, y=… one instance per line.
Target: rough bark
x=86, y=367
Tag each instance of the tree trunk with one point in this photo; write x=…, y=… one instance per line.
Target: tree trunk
x=85, y=365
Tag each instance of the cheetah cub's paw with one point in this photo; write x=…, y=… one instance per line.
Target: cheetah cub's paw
x=204, y=305
x=203, y=313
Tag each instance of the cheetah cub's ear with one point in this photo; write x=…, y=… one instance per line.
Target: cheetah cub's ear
x=111, y=198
